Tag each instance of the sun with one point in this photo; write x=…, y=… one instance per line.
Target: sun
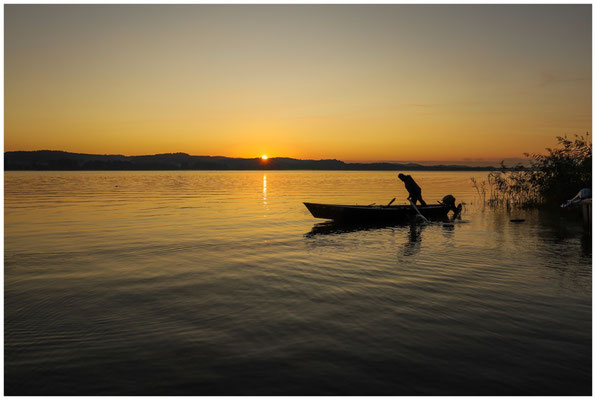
x=264, y=157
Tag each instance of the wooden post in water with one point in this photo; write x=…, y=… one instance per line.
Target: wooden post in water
x=587, y=212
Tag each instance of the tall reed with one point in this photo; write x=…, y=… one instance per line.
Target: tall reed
x=550, y=179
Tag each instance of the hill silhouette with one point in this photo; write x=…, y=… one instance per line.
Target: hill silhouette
x=51, y=160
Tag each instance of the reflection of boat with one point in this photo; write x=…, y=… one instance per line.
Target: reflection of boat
x=333, y=227
x=410, y=248
x=359, y=214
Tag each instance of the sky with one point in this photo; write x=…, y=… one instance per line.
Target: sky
x=350, y=82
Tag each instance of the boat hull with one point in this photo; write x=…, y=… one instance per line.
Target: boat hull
x=365, y=214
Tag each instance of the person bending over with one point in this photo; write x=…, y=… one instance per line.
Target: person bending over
x=412, y=188
x=449, y=202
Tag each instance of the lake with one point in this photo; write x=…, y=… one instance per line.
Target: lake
x=209, y=283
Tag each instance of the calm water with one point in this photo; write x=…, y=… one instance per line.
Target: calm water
x=221, y=283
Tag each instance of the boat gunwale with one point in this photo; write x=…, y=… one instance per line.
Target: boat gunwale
x=377, y=207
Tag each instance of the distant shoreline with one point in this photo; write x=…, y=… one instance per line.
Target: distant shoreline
x=50, y=160
x=487, y=169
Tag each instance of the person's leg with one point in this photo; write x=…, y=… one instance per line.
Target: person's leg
x=414, y=199
x=422, y=202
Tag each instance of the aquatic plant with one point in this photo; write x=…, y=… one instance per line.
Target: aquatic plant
x=480, y=189
x=550, y=179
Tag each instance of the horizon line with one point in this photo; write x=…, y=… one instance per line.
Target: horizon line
x=461, y=162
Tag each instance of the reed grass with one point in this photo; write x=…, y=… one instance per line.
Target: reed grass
x=550, y=179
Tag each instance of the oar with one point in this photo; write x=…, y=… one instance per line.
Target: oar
x=391, y=202
x=415, y=208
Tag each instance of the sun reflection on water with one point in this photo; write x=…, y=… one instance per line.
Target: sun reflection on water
x=264, y=189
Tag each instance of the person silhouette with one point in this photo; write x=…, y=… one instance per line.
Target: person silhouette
x=413, y=189
x=449, y=202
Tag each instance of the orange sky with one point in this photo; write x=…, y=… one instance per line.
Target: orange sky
x=352, y=82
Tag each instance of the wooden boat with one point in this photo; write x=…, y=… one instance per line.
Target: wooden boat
x=374, y=213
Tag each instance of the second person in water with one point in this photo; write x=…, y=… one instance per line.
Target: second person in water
x=413, y=189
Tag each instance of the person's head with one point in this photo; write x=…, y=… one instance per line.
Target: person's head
x=401, y=176
x=449, y=200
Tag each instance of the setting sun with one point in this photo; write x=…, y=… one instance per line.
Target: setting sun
x=264, y=157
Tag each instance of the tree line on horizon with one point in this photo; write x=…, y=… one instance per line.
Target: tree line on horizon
x=49, y=160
